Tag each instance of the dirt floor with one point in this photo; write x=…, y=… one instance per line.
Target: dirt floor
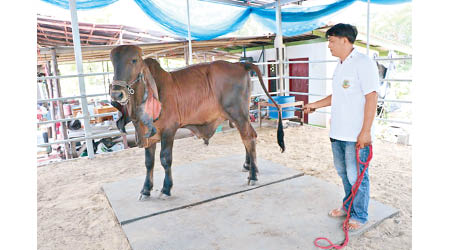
x=73, y=212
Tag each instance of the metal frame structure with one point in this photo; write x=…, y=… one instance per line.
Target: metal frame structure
x=281, y=62
x=329, y=79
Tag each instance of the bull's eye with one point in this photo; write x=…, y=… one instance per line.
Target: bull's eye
x=133, y=61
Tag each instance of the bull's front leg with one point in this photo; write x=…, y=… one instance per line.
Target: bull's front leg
x=149, y=164
x=148, y=122
x=166, y=161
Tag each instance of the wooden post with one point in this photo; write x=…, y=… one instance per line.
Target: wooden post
x=125, y=141
x=60, y=104
x=51, y=106
x=186, y=55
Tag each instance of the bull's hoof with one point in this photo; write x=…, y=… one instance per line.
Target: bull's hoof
x=163, y=196
x=245, y=168
x=143, y=197
x=252, y=182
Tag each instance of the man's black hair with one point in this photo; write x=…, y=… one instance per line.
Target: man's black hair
x=343, y=30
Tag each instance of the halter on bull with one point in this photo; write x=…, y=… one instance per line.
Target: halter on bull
x=199, y=98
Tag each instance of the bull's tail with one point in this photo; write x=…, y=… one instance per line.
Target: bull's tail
x=280, y=132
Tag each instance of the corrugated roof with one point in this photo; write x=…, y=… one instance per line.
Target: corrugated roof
x=98, y=39
x=52, y=32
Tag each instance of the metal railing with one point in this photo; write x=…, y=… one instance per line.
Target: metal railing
x=73, y=76
x=87, y=116
x=329, y=79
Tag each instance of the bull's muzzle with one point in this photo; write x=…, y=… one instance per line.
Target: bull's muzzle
x=118, y=92
x=117, y=95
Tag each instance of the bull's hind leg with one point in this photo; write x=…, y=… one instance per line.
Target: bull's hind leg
x=246, y=166
x=166, y=161
x=149, y=164
x=248, y=136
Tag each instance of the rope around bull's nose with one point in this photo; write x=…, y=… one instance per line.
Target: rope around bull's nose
x=352, y=196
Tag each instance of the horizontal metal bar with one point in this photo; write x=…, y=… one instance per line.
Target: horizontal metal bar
x=61, y=120
x=270, y=93
x=96, y=136
x=104, y=114
x=265, y=78
x=322, y=112
x=393, y=121
x=396, y=80
x=303, y=93
x=310, y=61
x=398, y=101
x=392, y=59
x=306, y=77
x=266, y=63
x=69, y=97
x=319, y=78
x=379, y=100
x=380, y=119
x=327, y=61
x=70, y=76
x=77, y=118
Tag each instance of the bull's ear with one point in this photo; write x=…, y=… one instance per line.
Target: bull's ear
x=124, y=119
x=151, y=64
x=153, y=87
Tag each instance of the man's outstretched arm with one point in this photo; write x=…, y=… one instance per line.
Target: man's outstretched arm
x=311, y=107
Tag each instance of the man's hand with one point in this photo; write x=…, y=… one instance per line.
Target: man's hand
x=309, y=108
x=364, y=139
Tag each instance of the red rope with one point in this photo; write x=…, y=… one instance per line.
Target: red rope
x=355, y=188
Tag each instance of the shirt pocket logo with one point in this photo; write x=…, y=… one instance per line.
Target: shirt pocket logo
x=345, y=83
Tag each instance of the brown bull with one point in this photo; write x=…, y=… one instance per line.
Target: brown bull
x=199, y=98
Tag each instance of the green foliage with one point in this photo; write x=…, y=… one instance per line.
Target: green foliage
x=394, y=25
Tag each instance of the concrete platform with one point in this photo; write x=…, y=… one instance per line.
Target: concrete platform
x=287, y=214
x=193, y=183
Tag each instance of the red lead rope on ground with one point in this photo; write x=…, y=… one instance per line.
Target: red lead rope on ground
x=352, y=196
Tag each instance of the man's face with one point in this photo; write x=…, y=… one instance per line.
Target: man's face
x=336, y=45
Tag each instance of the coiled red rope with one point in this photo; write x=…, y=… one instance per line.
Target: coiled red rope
x=355, y=188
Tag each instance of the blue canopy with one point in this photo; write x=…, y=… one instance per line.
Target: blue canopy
x=208, y=21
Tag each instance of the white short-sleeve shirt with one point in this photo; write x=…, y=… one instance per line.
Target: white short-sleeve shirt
x=353, y=78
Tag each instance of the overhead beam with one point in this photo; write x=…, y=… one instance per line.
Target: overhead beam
x=282, y=2
x=85, y=37
x=247, y=3
x=229, y=2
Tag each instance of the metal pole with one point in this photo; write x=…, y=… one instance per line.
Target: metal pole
x=368, y=26
x=189, y=33
x=78, y=59
x=280, y=49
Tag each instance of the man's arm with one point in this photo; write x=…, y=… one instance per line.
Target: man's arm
x=311, y=107
x=370, y=108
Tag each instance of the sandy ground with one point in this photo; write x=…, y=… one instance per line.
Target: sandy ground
x=73, y=212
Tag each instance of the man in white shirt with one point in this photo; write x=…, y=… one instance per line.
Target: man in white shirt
x=353, y=107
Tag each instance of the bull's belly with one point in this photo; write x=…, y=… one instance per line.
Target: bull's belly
x=205, y=130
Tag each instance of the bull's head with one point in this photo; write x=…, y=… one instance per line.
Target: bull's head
x=128, y=73
x=133, y=86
